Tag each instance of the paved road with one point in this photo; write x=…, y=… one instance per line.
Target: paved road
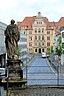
x=39, y=72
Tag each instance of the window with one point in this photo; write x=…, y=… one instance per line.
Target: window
x=42, y=29
x=30, y=32
x=48, y=32
x=42, y=50
x=48, y=38
x=35, y=37
x=24, y=33
x=37, y=22
x=38, y=37
x=42, y=37
x=43, y=43
x=39, y=30
x=48, y=43
x=35, y=50
x=30, y=38
x=30, y=43
x=35, y=30
x=40, y=22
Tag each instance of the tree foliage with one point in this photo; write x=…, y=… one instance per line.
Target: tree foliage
x=59, y=47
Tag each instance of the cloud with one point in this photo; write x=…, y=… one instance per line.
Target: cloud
x=19, y=9
x=8, y=4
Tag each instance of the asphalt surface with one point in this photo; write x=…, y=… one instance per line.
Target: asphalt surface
x=40, y=72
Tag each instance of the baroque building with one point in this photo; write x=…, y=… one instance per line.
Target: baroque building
x=39, y=32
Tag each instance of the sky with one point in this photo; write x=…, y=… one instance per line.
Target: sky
x=19, y=9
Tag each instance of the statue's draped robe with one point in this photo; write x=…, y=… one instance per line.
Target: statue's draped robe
x=12, y=36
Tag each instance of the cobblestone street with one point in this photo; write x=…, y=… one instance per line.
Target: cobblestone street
x=38, y=91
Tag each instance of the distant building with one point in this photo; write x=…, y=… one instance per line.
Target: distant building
x=22, y=42
x=40, y=32
x=2, y=45
x=22, y=46
x=62, y=35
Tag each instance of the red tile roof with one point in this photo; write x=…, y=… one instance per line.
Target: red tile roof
x=57, y=31
x=28, y=21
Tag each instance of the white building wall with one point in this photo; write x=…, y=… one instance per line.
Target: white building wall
x=22, y=46
x=2, y=44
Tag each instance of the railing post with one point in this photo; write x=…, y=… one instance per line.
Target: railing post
x=58, y=75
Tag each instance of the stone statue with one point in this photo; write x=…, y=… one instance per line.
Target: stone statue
x=12, y=37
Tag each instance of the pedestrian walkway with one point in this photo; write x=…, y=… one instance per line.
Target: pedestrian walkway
x=38, y=91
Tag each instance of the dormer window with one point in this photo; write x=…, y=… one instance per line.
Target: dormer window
x=39, y=22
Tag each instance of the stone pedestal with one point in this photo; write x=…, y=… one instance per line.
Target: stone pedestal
x=14, y=69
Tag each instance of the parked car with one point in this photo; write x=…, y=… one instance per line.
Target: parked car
x=47, y=55
x=43, y=55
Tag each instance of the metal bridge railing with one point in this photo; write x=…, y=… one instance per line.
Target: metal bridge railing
x=45, y=74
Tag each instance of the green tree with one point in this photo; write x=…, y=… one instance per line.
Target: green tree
x=51, y=49
x=59, y=47
x=48, y=50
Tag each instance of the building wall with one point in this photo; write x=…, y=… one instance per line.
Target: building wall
x=39, y=41
x=22, y=45
x=2, y=45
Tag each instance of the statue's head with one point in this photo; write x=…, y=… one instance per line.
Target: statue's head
x=12, y=21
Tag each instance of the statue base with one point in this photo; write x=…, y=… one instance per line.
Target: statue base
x=14, y=69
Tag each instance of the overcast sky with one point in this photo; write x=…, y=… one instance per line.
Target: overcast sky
x=19, y=9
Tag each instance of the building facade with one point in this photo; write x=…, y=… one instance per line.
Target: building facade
x=2, y=45
x=22, y=42
x=40, y=33
x=22, y=46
